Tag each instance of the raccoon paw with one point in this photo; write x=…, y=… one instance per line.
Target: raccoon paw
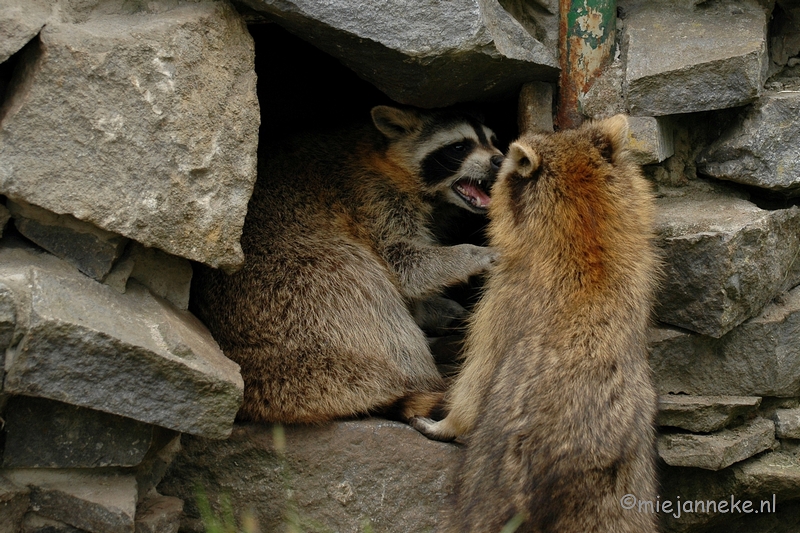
x=483, y=257
x=432, y=429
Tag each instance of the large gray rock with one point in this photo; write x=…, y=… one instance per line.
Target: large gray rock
x=145, y=125
x=128, y=354
x=95, y=502
x=421, y=52
x=759, y=358
x=725, y=258
x=703, y=413
x=44, y=433
x=86, y=247
x=14, y=502
x=683, y=60
x=763, y=149
x=717, y=450
x=338, y=476
x=787, y=423
x=20, y=21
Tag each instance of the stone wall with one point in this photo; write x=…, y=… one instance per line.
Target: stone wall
x=128, y=139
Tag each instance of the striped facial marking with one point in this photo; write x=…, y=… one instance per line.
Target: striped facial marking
x=459, y=162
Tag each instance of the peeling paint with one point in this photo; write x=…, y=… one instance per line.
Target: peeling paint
x=587, y=37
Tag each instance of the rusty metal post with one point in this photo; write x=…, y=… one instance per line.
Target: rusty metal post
x=587, y=31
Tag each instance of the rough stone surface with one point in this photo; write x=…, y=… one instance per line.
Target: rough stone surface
x=725, y=258
x=5, y=215
x=127, y=354
x=787, y=423
x=34, y=523
x=684, y=60
x=20, y=21
x=717, y=450
x=421, y=52
x=150, y=473
x=8, y=318
x=95, y=502
x=14, y=502
x=339, y=475
x=165, y=275
x=120, y=273
x=88, y=248
x=759, y=358
x=161, y=514
x=770, y=482
x=540, y=18
x=703, y=413
x=535, y=112
x=44, y=433
x=763, y=149
x=650, y=139
x=142, y=124
x=606, y=96
x=785, y=38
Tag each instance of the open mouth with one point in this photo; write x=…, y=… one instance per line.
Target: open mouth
x=474, y=192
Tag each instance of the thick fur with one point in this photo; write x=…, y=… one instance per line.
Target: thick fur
x=338, y=255
x=556, y=390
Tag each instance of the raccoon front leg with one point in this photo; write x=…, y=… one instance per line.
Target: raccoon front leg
x=423, y=270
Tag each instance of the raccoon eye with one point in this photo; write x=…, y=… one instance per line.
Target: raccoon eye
x=458, y=147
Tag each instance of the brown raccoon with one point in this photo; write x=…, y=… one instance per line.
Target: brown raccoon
x=340, y=261
x=556, y=389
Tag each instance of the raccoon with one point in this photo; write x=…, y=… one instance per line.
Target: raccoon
x=556, y=393
x=342, y=271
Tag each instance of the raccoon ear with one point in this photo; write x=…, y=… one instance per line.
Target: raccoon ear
x=394, y=122
x=522, y=160
x=611, y=136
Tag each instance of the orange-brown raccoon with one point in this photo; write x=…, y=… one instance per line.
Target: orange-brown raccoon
x=555, y=397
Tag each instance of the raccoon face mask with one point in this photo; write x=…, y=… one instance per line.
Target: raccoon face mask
x=455, y=154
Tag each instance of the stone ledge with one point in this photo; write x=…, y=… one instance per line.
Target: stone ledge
x=703, y=413
x=338, y=474
x=717, y=450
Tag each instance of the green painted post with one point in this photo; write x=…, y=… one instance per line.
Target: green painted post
x=587, y=31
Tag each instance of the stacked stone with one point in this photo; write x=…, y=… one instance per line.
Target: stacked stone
x=726, y=350
x=127, y=148
x=128, y=135
x=711, y=88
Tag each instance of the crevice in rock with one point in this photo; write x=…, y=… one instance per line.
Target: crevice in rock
x=15, y=75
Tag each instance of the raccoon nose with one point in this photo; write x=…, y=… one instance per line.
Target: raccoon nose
x=496, y=160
